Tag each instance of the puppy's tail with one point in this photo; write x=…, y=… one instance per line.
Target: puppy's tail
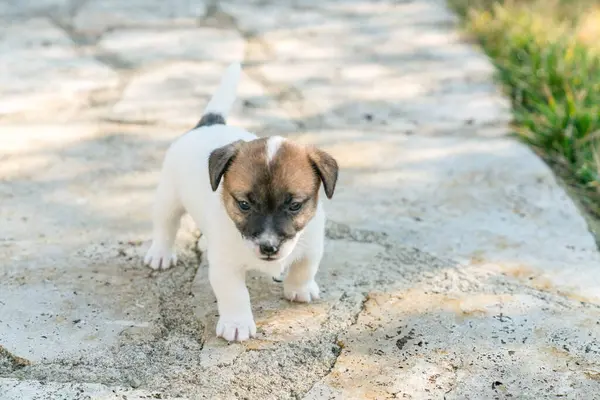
x=221, y=102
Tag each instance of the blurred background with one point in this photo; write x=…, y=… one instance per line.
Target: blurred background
x=546, y=53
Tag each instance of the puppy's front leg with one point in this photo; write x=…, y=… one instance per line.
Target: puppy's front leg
x=299, y=284
x=236, y=321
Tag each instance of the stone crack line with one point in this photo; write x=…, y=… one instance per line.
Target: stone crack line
x=349, y=300
x=338, y=231
x=11, y=361
x=176, y=323
x=336, y=338
x=454, y=383
x=86, y=45
x=174, y=307
x=556, y=296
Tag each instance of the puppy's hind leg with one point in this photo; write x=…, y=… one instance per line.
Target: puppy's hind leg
x=202, y=244
x=167, y=217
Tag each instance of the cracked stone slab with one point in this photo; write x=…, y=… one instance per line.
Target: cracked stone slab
x=185, y=88
x=183, y=93
x=421, y=343
x=177, y=353
x=377, y=67
x=488, y=202
x=94, y=314
x=98, y=16
x=275, y=14
x=144, y=47
x=13, y=389
x=63, y=318
x=15, y=10
x=69, y=172
x=43, y=74
x=506, y=307
x=76, y=262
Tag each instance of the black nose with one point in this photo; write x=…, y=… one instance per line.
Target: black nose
x=268, y=249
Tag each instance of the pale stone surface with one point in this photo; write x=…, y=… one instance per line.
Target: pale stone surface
x=96, y=16
x=419, y=344
x=379, y=67
x=71, y=229
x=460, y=266
x=17, y=10
x=14, y=389
x=486, y=202
x=145, y=47
x=177, y=93
x=42, y=73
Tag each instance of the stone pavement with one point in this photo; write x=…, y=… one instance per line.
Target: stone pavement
x=456, y=267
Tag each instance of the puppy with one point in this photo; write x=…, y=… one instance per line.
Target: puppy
x=255, y=200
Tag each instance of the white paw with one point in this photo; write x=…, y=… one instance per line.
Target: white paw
x=301, y=293
x=160, y=257
x=202, y=244
x=236, y=328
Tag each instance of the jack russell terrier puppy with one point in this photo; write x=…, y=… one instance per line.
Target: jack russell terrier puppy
x=255, y=200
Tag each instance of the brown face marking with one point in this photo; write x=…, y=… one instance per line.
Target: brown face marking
x=280, y=195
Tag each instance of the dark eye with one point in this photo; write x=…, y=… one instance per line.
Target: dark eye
x=244, y=205
x=295, y=206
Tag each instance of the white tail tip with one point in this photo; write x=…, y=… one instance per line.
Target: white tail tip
x=223, y=99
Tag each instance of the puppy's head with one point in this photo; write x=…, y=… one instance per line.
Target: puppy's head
x=270, y=189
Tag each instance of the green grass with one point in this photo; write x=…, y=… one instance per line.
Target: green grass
x=547, y=56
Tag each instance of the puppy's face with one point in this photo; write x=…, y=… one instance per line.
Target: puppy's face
x=270, y=190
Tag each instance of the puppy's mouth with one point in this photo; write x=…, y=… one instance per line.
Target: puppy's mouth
x=273, y=250
x=270, y=258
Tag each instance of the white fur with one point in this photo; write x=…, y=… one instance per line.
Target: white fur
x=224, y=97
x=184, y=187
x=273, y=145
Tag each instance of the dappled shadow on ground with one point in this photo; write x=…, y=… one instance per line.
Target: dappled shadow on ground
x=373, y=89
x=88, y=187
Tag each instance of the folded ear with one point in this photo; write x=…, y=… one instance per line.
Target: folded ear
x=326, y=168
x=219, y=161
